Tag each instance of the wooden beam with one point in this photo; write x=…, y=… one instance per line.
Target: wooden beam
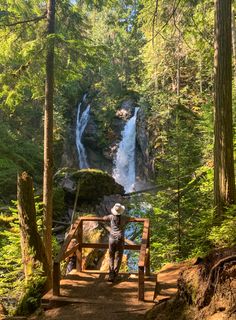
x=69, y=252
x=144, y=244
x=147, y=263
x=79, y=251
x=70, y=235
x=94, y=218
x=141, y=283
x=107, y=228
x=106, y=246
x=56, y=278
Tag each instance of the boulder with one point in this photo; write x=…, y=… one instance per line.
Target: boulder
x=93, y=183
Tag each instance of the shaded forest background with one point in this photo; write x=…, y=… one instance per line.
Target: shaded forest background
x=162, y=57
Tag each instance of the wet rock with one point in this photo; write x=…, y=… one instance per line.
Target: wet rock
x=143, y=161
x=127, y=109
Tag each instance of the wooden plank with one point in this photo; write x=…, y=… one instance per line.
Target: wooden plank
x=141, y=283
x=137, y=219
x=144, y=243
x=147, y=263
x=126, y=240
x=79, y=252
x=94, y=218
x=70, y=235
x=69, y=252
x=56, y=278
x=106, y=246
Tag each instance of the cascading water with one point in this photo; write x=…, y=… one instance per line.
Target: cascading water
x=82, y=120
x=124, y=170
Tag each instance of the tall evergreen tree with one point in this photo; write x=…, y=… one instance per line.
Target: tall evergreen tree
x=224, y=180
x=48, y=131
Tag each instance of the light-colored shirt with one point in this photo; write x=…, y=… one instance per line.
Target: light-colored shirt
x=118, y=223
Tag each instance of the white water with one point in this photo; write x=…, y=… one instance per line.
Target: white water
x=124, y=164
x=81, y=123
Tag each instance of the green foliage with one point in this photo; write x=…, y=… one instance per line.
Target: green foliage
x=196, y=218
x=15, y=294
x=32, y=296
x=225, y=234
x=115, y=49
x=17, y=154
x=10, y=261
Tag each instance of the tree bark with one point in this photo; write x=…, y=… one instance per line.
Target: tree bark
x=234, y=42
x=48, y=132
x=224, y=180
x=32, y=247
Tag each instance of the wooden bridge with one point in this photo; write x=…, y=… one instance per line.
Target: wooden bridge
x=90, y=296
x=143, y=275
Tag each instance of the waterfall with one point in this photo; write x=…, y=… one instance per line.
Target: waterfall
x=124, y=164
x=82, y=120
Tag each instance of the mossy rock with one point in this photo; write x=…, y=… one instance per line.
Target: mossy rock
x=93, y=183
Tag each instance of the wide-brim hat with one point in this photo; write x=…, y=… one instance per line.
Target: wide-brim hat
x=118, y=209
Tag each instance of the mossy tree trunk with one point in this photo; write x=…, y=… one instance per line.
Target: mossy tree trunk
x=31, y=243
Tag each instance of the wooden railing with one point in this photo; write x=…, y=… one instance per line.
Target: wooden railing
x=76, y=232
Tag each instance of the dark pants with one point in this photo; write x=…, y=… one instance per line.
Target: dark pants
x=71, y=264
x=116, y=248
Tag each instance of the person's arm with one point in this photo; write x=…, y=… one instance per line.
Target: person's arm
x=107, y=218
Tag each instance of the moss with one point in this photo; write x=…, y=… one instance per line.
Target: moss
x=93, y=183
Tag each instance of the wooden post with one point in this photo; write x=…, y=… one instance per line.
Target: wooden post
x=147, y=270
x=79, y=251
x=143, y=259
x=56, y=279
x=141, y=283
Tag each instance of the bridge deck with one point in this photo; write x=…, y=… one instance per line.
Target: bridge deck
x=92, y=291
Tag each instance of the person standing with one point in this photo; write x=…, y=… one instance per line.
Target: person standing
x=116, y=238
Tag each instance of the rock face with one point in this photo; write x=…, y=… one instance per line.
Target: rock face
x=101, y=142
x=144, y=171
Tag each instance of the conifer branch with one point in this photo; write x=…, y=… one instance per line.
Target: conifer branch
x=175, y=7
x=154, y=19
x=36, y=19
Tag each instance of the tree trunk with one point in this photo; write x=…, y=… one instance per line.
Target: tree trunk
x=234, y=38
x=200, y=75
x=48, y=132
x=234, y=42
x=32, y=247
x=178, y=77
x=224, y=181
x=179, y=222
